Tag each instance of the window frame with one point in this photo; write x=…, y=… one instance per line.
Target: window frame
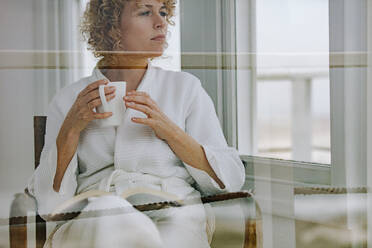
x=208, y=51
x=348, y=63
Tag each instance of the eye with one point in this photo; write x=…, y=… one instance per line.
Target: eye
x=162, y=13
x=146, y=13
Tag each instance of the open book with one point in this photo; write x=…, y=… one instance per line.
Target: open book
x=76, y=201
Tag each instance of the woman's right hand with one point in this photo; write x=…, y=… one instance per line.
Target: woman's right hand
x=81, y=112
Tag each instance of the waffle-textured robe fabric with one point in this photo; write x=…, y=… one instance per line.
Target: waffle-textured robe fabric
x=133, y=150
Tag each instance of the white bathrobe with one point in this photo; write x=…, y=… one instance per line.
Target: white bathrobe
x=131, y=155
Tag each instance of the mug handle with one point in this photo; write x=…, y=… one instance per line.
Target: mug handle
x=103, y=98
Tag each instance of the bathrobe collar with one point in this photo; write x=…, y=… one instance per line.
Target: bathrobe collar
x=144, y=84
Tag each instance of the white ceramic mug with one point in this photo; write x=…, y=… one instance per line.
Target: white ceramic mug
x=115, y=105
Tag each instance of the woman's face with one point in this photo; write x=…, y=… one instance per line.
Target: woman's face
x=144, y=27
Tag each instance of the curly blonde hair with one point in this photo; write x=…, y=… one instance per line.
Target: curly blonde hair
x=100, y=25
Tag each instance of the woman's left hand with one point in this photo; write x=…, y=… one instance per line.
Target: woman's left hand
x=163, y=127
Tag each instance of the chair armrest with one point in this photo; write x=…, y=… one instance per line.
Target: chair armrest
x=21, y=205
x=328, y=190
x=237, y=222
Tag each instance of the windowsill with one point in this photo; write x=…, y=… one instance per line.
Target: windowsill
x=304, y=173
x=281, y=162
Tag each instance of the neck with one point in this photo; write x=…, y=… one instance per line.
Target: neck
x=130, y=70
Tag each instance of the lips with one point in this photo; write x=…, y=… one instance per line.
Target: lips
x=159, y=37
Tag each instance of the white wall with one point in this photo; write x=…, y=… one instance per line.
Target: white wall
x=16, y=102
x=16, y=105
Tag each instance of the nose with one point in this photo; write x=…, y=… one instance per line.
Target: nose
x=159, y=22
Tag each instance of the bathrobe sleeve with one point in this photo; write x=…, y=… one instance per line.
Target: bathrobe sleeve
x=40, y=184
x=203, y=125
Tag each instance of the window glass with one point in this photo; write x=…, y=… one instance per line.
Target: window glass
x=293, y=118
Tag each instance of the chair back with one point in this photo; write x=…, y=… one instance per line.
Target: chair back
x=39, y=140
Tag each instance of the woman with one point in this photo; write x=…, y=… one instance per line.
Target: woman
x=170, y=138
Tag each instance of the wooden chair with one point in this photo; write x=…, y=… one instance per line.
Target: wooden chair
x=18, y=224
